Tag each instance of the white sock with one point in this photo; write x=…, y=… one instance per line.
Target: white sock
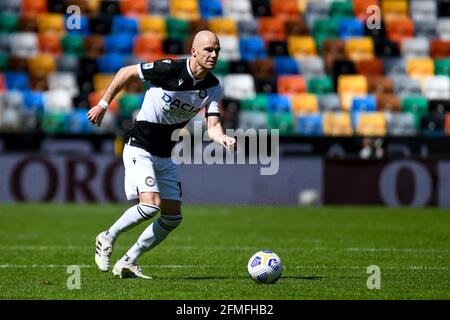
x=153, y=235
x=132, y=217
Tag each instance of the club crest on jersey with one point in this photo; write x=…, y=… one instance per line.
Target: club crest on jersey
x=150, y=181
x=202, y=93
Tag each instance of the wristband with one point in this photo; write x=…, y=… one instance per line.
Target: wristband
x=102, y=103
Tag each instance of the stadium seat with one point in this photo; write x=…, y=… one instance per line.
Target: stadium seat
x=388, y=102
x=394, y=9
x=282, y=121
x=423, y=10
x=379, y=84
x=309, y=124
x=426, y=29
x=38, y=82
x=443, y=28
x=147, y=45
x=401, y=124
x=364, y=103
x=394, y=66
x=94, y=46
x=55, y=121
x=68, y=63
x=433, y=125
x=329, y=102
x=323, y=29
x=342, y=67
x=229, y=48
x=33, y=101
x=41, y=65
x=121, y=43
x=110, y=7
x=279, y=103
x=301, y=46
x=442, y=66
x=386, y=48
x=63, y=81
x=184, y=9
x=262, y=68
x=439, y=48
x=133, y=8
x=111, y=63
x=259, y=103
x=11, y=6
x=154, y=25
x=291, y=84
x=398, y=29
x=312, y=66
x=16, y=80
x=49, y=44
x=370, y=67
x=124, y=25
x=337, y=124
x=266, y=86
x=101, y=81
x=57, y=100
x=341, y=9
x=443, y=9
x=439, y=106
x=210, y=8
x=415, y=47
x=304, y=103
x=24, y=44
x=437, y=87
x=350, y=86
x=174, y=46
x=284, y=9
x=285, y=65
x=252, y=48
x=73, y=44
x=350, y=27
x=223, y=26
x=52, y=23
x=239, y=86
x=129, y=103
x=159, y=7
x=316, y=10
x=277, y=48
x=420, y=68
x=78, y=122
x=27, y=24
x=239, y=10
x=177, y=28
x=34, y=8
x=358, y=49
x=320, y=85
x=100, y=24
x=404, y=86
x=248, y=28
x=17, y=64
x=9, y=23
x=360, y=8
x=371, y=124
x=271, y=28
x=254, y=120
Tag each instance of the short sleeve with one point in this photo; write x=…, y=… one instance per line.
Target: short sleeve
x=154, y=71
x=213, y=107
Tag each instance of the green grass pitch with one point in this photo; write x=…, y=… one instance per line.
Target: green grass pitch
x=326, y=252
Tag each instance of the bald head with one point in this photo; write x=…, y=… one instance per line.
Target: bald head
x=204, y=37
x=204, y=52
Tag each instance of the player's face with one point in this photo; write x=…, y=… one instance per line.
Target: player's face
x=207, y=54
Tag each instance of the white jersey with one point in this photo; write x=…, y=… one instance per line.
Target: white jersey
x=173, y=98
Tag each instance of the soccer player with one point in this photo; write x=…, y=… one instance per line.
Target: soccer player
x=179, y=89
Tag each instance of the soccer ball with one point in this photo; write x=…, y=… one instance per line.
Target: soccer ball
x=265, y=267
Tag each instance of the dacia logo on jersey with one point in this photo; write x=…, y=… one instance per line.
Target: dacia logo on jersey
x=176, y=107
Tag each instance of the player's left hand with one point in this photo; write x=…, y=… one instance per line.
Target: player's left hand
x=228, y=142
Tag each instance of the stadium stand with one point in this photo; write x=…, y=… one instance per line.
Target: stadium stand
x=312, y=68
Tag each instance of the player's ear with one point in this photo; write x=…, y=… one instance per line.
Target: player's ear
x=193, y=52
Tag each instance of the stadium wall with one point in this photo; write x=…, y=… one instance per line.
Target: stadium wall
x=304, y=181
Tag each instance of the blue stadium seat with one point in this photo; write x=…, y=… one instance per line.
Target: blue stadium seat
x=121, y=24
x=309, y=125
x=78, y=122
x=16, y=80
x=367, y=103
x=119, y=43
x=33, y=101
x=286, y=65
x=210, y=8
x=252, y=48
x=279, y=103
x=111, y=63
x=83, y=28
x=350, y=27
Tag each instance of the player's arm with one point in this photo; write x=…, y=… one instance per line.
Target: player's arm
x=217, y=134
x=95, y=115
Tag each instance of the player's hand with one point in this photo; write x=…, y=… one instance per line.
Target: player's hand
x=228, y=142
x=95, y=115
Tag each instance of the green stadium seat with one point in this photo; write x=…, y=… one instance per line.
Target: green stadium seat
x=442, y=67
x=340, y=9
x=8, y=23
x=417, y=105
x=73, y=44
x=320, y=85
x=177, y=29
x=129, y=103
x=55, y=121
x=259, y=103
x=282, y=121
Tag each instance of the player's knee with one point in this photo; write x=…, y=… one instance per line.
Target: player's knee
x=148, y=210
